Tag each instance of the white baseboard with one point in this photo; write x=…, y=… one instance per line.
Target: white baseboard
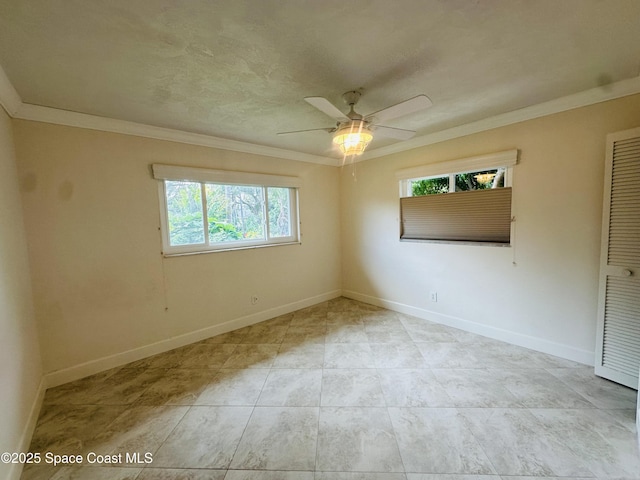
x=27, y=433
x=534, y=343
x=76, y=372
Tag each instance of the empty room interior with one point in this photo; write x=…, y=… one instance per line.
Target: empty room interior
x=319, y=240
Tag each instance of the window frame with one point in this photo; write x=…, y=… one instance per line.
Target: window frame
x=505, y=159
x=203, y=176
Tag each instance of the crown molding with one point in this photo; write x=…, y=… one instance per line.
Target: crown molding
x=585, y=98
x=14, y=106
x=93, y=122
x=9, y=98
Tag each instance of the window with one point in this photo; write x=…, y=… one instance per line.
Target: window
x=457, y=182
x=211, y=210
x=467, y=200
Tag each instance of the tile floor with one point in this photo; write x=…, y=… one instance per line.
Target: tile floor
x=344, y=391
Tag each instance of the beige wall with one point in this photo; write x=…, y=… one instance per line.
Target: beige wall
x=101, y=285
x=548, y=299
x=19, y=351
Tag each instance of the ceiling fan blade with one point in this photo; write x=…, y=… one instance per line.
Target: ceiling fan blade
x=326, y=107
x=403, y=108
x=308, y=130
x=398, y=133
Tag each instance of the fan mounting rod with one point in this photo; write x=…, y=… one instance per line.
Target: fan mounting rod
x=351, y=98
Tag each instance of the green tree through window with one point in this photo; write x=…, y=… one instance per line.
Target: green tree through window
x=184, y=205
x=234, y=213
x=462, y=182
x=429, y=186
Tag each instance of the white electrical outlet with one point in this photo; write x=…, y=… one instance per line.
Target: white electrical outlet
x=434, y=296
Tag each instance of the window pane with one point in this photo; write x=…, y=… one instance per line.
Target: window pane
x=480, y=180
x=184, y=207
x=429, y=186
x=279, y=212
x=235, y=212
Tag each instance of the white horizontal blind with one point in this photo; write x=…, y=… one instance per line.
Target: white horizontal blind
x=621, y=335
x=224, y=177
x=507, y=158
x=472, y=216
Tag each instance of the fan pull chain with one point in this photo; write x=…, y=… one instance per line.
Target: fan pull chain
x=353, y=166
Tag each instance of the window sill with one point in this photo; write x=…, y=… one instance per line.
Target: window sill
x=231, y=249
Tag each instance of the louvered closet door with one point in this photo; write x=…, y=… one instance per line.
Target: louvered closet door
x=618, y=347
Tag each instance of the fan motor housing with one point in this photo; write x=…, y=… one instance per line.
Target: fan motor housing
x=351, y=97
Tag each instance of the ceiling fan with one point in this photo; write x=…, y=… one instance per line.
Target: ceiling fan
x=354, y=132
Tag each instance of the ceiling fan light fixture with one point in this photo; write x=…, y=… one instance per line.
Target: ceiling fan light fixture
x=352, y=139
x=484, y=178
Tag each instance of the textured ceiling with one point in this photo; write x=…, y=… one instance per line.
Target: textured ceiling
x=239, y=69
